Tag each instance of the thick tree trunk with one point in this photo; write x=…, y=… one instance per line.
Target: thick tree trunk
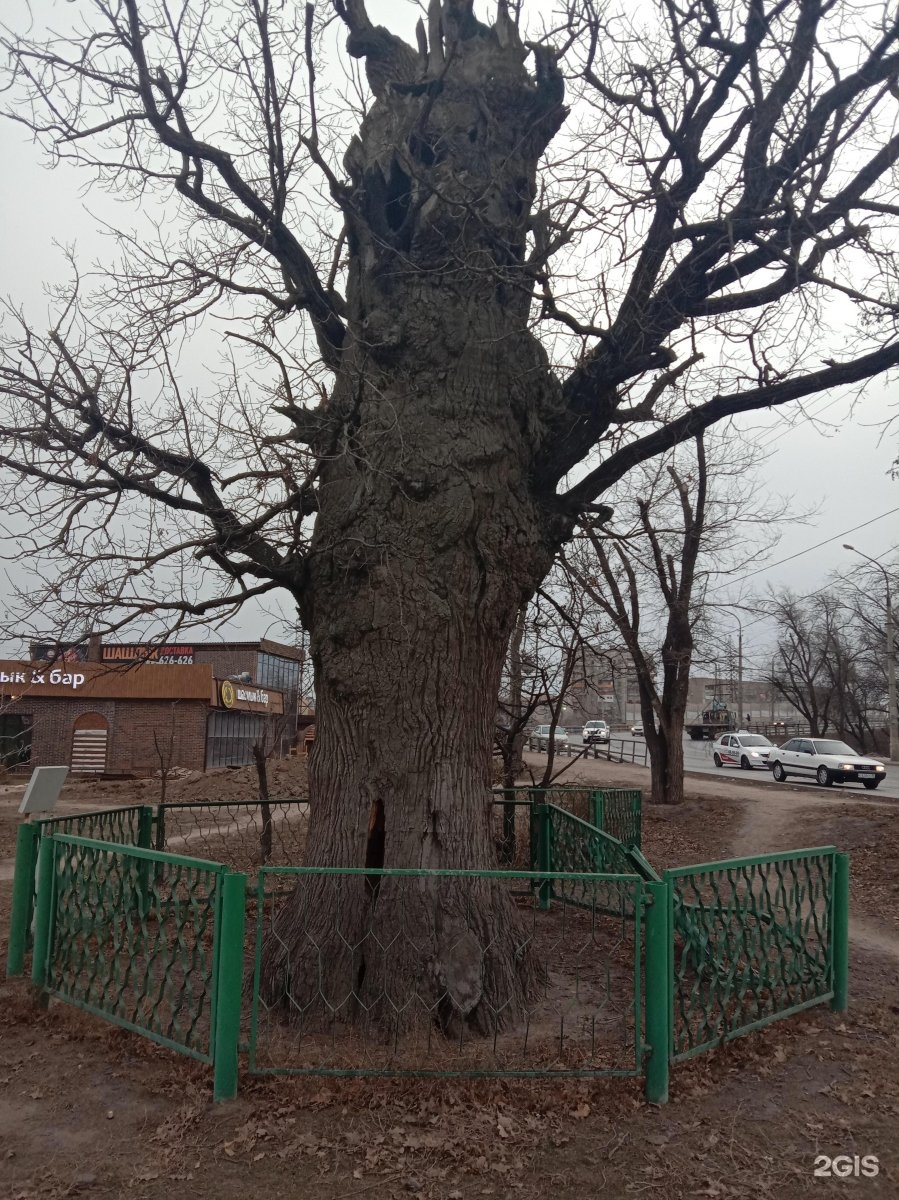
x=428, y=539
x=667, y=766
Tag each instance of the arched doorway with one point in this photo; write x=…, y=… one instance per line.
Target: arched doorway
x=89, y=738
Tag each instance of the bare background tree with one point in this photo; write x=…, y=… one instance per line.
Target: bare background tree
x=164, y=746
x=830, y=661
x=453, y=325
x=270, y=741
x=681, y=526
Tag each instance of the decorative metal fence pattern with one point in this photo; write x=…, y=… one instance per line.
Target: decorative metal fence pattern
x=353, y=975
x=244, y=834
x=616, y=811
x=132, y=938
x=619, y=812
x=752, y=940
x=124, y=826
x=130, y=825
x=567, y=844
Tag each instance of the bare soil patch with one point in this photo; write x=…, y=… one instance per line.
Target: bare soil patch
x=869, y=835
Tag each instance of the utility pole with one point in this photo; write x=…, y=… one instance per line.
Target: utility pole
x=892, y=713
x=741, y=714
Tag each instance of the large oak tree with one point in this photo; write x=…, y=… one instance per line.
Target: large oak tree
x=499, y=300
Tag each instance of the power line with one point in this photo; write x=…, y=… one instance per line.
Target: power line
x=808, y=550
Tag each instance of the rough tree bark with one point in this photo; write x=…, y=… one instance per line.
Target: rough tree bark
x=428, y=537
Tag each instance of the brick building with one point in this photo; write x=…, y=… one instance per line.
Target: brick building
x=132, y=709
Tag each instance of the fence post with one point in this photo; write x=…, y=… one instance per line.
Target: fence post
x=160, y=828
x=658, y=992
x=27, y=840
x=840, y=933
x=145, y=841
x=43, y=914
x=637, y=814
x=229, y=985
x=544, y=854
x=597, y=811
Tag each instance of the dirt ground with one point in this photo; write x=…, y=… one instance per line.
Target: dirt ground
x=90, y=1110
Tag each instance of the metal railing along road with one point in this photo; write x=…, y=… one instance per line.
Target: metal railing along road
x=621, y=750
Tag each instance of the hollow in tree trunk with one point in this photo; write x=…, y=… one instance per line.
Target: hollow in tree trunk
x=429, y=535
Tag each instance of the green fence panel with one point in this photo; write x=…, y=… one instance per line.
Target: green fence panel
x=574, y=798
x=619, y=812
x=752, y=940
x=120, y=825
x=127, y=826
x=353, y=976
x=514, y=828
x=574, y=845
x=137, y=947
x=616, y=811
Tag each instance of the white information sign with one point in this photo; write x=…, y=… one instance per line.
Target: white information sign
x=43, y=790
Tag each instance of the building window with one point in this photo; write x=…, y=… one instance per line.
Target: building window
x=230, y=737
x=276, y=672
x=15, y=740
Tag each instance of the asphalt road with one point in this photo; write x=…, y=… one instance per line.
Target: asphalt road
x=698, y=760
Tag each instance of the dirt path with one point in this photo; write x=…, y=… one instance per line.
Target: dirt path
x=769, y=825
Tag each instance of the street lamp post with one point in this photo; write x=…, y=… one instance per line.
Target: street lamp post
x=892, y=714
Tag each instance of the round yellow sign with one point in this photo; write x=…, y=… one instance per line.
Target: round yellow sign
x=228, y=695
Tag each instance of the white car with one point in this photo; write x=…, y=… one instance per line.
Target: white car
x=541, y=736
x=744, y=750
x=595, y=731
x=827, y=761
x=637, y=730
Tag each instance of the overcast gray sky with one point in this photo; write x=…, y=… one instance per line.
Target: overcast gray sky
x=837, y=466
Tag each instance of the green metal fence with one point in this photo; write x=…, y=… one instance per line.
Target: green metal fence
x=565, y=843
x=619, y=811
x=136, y=937
x=753, y=940
x=614, y=971
x=616, y=811
x=354, y=976
x=130, y=825
x=574, y=798
x=244, y=834
x=124, y=826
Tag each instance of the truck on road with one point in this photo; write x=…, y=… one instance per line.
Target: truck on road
x=716, y=719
